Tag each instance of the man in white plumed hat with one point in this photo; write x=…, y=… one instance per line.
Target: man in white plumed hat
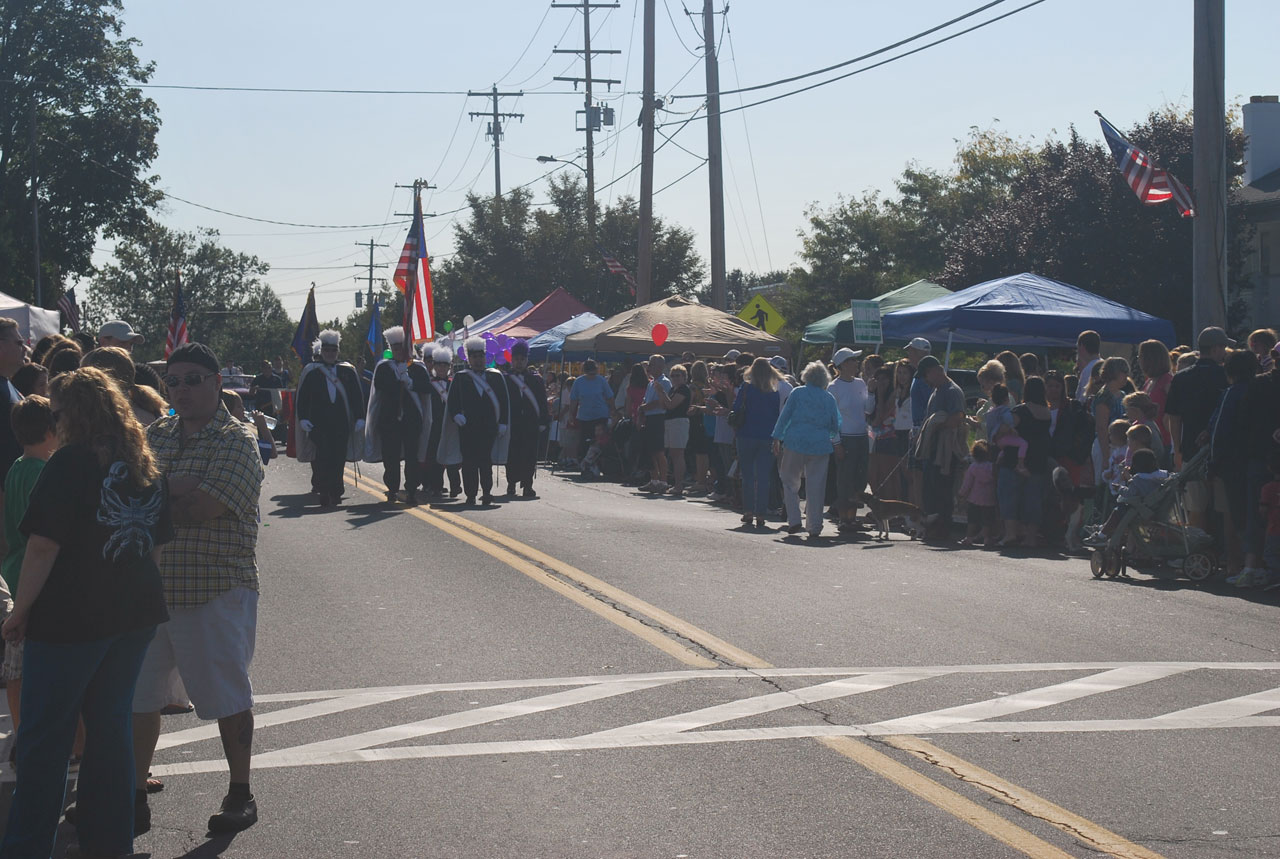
x=330, y=412
x=399, y=420
x=477, y=423
x=441, y=358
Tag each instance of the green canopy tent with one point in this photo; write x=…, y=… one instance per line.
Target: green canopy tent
x=838, y=327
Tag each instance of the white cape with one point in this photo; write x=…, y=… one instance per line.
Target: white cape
x=450, y=450
x=373, y=439
x=306, y=448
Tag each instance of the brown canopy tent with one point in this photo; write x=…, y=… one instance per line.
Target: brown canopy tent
x=692, y=327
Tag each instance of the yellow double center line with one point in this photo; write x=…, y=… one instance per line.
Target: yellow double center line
x=691, y=645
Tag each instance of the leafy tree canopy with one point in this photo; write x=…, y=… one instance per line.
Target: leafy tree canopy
x=229, y=307
x=509, y=251
x=65, y=68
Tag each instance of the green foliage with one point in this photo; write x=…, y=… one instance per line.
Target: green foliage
x=1072, y=217
x=229, y=307
x=95, y=136
x=508, y=251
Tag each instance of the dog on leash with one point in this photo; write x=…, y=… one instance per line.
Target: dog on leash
x=883, y=510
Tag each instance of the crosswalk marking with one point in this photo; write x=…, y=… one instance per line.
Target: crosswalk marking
x=711, y=724
x=1033, y=699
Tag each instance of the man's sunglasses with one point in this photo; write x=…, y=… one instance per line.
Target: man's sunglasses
x=190, y=379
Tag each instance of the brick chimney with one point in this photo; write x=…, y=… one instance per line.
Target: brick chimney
x=1262, y=137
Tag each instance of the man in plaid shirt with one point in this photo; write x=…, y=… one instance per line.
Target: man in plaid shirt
x=214, y=474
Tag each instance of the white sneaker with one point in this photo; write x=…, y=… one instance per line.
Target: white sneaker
x=1248, y=577
x=716, y=496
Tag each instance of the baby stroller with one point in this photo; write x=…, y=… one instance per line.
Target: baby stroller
x=1154, y=529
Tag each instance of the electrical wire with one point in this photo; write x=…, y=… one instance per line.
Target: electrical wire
x=751, y=155
x=841, y=65
x=695, y=169
x=676, y=29
x=323, y=90
x=885, y=62
x=546, y=12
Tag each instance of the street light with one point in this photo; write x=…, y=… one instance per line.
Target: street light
x=551, y=159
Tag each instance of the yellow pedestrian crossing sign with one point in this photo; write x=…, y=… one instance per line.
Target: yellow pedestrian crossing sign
x=762, y=315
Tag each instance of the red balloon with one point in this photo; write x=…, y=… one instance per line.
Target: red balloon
x=659, y=334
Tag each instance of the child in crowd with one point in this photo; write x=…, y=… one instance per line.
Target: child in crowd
x=34, y=428
x=596, y=450
x=979, y=491
x=1002, y=427
x=1145, y=478
x=1113, y=471
x=1139, y=408
x=1138, y=437
x=266, y=443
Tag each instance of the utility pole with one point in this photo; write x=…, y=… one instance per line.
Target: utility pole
x=495, y=131
x=1209, y=148
x=644, y=263
x=371, y=266
x=591, y=111
x=715, y=165
x=35, y=204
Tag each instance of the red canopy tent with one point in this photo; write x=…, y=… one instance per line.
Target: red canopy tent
x=555, y=309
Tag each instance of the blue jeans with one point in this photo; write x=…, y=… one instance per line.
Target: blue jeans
x=755, y=461
x=61, y=682
x=1021, y=499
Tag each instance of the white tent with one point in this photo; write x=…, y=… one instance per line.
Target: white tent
x=33, y=322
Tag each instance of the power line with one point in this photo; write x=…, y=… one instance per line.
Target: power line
x=841, y=65
x=695, y=169
x=325, y=91
x=894, y=58
x=751, y=155
x=690, y=51
x=538, y=30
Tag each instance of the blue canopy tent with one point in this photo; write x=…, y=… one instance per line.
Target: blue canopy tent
x=546, y=346
x=1023, y=310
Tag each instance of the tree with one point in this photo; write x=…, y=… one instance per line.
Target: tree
x=863, y=247
x=1072, y=217
x=65, y=69
x=229, y=307
x=509, y=251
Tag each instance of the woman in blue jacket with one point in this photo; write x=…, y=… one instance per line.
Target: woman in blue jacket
x=807, y=433
x=760, y=399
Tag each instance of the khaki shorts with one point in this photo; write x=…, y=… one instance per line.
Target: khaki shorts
x=1196, y=496
x=209, y=650
x=675, y=433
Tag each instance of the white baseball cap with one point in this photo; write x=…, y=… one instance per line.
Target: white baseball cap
x=845, y=354
x=920, y=343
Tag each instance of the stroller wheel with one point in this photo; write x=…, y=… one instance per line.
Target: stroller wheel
x=1115, y=564
x=1199, y=566
x=1098, y=563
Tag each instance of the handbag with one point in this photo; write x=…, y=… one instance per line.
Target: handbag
x=738, y=417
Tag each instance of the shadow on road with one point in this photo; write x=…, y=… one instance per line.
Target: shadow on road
x=215, y=846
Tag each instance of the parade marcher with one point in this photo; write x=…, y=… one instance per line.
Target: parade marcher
x=529, y=415
x=399, y=420
x=441, y=365
x=330, y=417
x=477, y=424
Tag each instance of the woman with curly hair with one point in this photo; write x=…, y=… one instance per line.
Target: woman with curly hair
x=89, y=599
x=147, y=404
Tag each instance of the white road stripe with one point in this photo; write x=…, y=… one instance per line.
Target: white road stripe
x=1232, y=708
x=453, y=721
x=326, y=707
x=760, y=704
x=1034, y=699
x=720, y=673
x=596, y=742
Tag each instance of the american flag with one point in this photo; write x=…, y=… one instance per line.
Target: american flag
x=616, y=267
x=70, y=312
x=413, y=278
x=1152, y=184
x=177, y=322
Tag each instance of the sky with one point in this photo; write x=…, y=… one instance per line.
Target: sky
x=333, y=160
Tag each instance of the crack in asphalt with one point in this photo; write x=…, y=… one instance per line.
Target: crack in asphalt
x=1271, y=650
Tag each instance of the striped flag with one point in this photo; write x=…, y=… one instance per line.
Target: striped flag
x=616, y=267
x=413, y=278
x=177, y=321
x=1152, y=184
x=70, y=311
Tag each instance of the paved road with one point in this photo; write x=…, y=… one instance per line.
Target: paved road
x=597, y=674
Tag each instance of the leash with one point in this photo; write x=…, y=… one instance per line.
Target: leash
x=896, y=466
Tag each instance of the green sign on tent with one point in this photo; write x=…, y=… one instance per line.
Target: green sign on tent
x=838, y=327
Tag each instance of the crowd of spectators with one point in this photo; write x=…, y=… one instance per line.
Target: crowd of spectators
x=1036, y=460
x=129, y=585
